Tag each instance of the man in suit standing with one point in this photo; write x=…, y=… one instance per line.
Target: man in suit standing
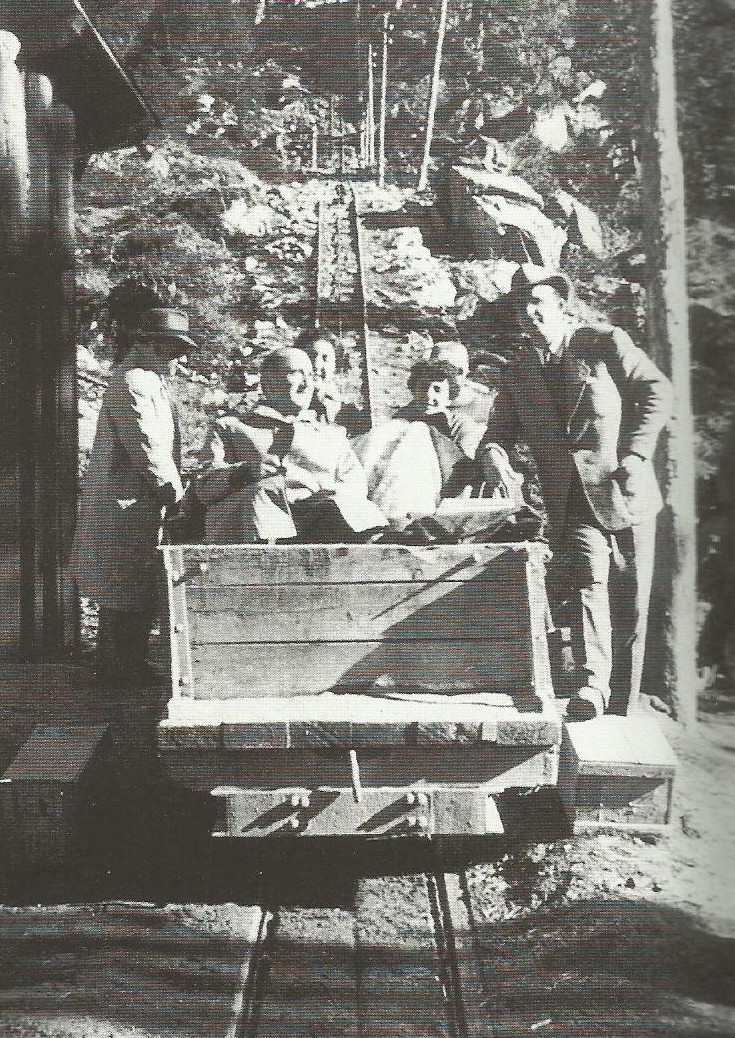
x=590, y=405
x=132, y=478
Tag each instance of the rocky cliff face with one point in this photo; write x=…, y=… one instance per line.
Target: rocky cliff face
x=537, y=90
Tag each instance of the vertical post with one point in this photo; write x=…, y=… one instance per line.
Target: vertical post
x=18, y=608
x=671, y=656
x=13, y=149
x=314, y=148
x=37, y=445
x=358, y=50
x=383, y=103
x=370, y=114
x=332, y=133
x=39, y=95
x=59, y=415
x=434, y=96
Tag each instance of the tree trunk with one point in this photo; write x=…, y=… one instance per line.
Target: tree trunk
x=671, y=656
x=431, y=114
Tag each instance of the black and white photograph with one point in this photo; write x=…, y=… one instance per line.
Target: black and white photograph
x=367, y=518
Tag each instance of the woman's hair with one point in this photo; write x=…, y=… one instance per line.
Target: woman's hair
x=435, y=371
x=310, y=336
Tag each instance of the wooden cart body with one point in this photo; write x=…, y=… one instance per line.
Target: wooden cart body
x=328, y=690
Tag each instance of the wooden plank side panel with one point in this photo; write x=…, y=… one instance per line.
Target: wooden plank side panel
x=622, y=801
x=303, y=668
x=538, y=620
x=268, y=566
x=350, y=612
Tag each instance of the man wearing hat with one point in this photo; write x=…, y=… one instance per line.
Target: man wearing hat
x=132, y=478
x=591, y=405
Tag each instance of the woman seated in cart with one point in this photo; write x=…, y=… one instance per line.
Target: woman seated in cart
x=327, y=357
x=434, y=385
x=275, y=473
x=426, y=454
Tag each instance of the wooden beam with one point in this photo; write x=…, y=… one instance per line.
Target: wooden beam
x=59, y=430
x=16, y=492
x=38, y=477
x=671, y=657
x=37, y=446
x=13, y=149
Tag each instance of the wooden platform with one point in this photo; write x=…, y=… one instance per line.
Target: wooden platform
x=617, y=773
x=289, y=766
x=355, y=721
x=45, y=794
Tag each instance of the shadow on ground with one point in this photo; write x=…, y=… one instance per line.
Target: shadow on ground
x=608, y=968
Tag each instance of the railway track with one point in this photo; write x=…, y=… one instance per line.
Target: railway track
x=341, y=299
x=401, y=962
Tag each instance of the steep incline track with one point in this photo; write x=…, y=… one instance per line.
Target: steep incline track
x=400, y=962
x=340, y=291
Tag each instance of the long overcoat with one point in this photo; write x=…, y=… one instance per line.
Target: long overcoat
x=132, y=475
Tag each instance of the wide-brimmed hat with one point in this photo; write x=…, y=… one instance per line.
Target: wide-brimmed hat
x=163, y=322
x=530, y=275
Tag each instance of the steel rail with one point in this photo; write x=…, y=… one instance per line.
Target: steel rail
x=460, y=989
x=340, y=258
x=456, y=943
x=247, y=1021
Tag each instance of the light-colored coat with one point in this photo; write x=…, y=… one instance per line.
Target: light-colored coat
x=474, y=401
x=319, y=461
x=133, y=473
x=464, y=431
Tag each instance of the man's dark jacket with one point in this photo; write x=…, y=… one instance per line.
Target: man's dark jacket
x=610, y=400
